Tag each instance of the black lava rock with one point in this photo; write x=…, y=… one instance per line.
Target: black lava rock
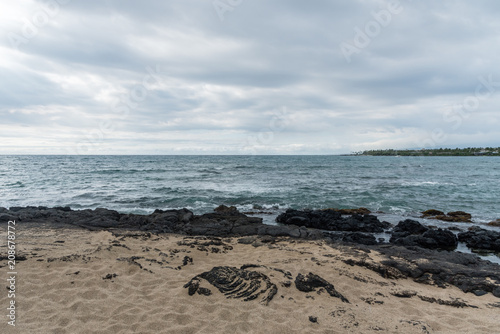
x=468, y=272
x=406, y=228
x=235, y=283
x=313, y=319
x=311, y=282
x=412, y=233
x=359, y=238
x=332, y=220
x=479, y=238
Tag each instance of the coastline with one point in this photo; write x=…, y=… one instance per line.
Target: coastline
x=459, y=232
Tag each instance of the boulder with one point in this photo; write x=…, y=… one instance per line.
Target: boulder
x=459, y=216
x=65, y=208
x=478, y=238
x=226, y=209
x=432, y=212
x=308, y=218
x=406, y=228
x=495, y=223
x=443, y=239
x=312, y=281
x=224, y=222
x=5, y=217
x=332, y=220
x=359, y=211
x=453, y=216
x=412, y=233
x=360, y=223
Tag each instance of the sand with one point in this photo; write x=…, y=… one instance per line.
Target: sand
x=78, y=281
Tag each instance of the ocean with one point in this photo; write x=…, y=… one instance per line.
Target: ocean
x=400, y=186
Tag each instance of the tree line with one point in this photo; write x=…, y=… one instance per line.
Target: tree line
x=469, y=151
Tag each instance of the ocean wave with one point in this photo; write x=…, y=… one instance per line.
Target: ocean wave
x=168, y=190
x=209, y=171
x=425, y=183
x=84, y=195
x=262, y=207
x=113, y=171
x=242, y=166
x=129, y=171
x=17, y=184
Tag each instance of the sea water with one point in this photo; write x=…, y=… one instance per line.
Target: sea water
x=140, y=184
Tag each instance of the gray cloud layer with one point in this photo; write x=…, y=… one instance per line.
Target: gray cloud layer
x=244, y=77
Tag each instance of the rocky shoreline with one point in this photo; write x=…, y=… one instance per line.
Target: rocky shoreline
x=414, y=251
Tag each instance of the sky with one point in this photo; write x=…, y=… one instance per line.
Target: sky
x=247, y=76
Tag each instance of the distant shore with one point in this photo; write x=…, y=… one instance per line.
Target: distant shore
x=445, y=152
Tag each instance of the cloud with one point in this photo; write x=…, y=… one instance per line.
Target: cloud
x=122, y=77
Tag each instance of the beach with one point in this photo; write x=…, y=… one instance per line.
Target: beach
x=72, y=279
x=263, y=167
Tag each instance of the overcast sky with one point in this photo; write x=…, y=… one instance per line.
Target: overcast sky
x=247, y=76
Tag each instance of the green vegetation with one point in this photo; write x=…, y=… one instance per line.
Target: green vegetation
x=469, y=151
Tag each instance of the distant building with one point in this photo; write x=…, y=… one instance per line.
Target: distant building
x=482, y=152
